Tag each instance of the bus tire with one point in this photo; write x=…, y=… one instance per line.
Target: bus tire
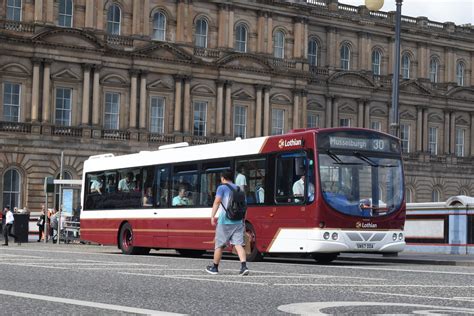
x=126, y=242
x=192, y=253
x=254, y=254
x=324, y=258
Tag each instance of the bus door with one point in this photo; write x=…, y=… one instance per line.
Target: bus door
x=161, y=189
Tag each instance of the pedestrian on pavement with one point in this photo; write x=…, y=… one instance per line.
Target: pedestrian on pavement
x=227, y=230
x=9, y=220
x=40, y=223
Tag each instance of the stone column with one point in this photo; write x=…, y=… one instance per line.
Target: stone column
x=46, y=91
x=449, y=65
x=261, y=32
x=296, y=108
x=90, y=12
x=422, y=61
x=38, y=10
x=133, y=98
x=188, y=22
x=472, y=134
x=136, y=17
x=230, y=28
x=452, y=133
x=220, y=106
x=258, y=111
x=180, y=22
x=269, y=34
x=187, y=103
x=329, y=99
x=425, y=129
x=362, y=51
x=49, y=11
x=360, y=113
x=223, y=25
x=367, y=115
x=35, y=90
x=331, y=46
x=86, y=82
x=143, y=100
x=446, y=132
x=335, y=110
x=266, y=111
x=228, y=107
x=146, y=18
x=177, y=104
x=304, y=101
x=298, y=37
x=419, y=129
x=305, y=38
x=391, y=55
x=96, y=97
x=100, y=14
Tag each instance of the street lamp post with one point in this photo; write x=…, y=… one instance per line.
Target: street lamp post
x=375, y=5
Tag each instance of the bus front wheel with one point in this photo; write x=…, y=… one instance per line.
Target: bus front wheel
x=251, y=238
x=126, y=242
x=323, y=258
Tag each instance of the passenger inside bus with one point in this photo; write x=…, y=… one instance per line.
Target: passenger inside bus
x=97, y=185
x=148, y=197
x=126, y=184
x=298, y=189
x=110, y=186
x=181, y=199
x=260, y=191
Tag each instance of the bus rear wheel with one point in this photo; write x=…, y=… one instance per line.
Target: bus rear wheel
x=126, y=242
x=251, y=238
x=323, y=258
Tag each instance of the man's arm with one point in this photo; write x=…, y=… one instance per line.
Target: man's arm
x=215, y=207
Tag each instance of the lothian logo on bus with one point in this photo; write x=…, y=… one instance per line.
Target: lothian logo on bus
x=365, y=225
x=289, y=143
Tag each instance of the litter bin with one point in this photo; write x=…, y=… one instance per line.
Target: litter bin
x=21, y=227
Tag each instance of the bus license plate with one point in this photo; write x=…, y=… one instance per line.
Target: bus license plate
x=365, y=246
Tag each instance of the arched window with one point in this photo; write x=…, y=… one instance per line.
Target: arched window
x=406, y=66
x=464, y=192
x=65, y=13
x=313, y=52
x=114, y=18
x=435, y=195
x=200, y=39
x=14, y=11
x=345, y=53
x=434, y=69
x=159, y=26
x=241, y=38
x=376, y=61
x=12, y=188
x=279, y=44
x=460, y=73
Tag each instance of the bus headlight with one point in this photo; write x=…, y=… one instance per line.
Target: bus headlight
x=394, y=236
x=400, y=236
x=326, y=235
x=334, y=236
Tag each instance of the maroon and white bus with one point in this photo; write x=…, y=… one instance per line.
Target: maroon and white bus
x=353, y=197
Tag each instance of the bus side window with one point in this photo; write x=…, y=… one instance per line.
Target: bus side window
x=250, y=177
x=148, y=184
x=163, y=185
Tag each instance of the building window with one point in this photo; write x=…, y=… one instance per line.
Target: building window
x=240, y=121
x=312, y=120
x=434, y=70
x=200, y=115
x=279, y=44
x=376, y=62
x=11, y=188
x=14, y=10
x=406, y=66
x=114, y=17
x=376, y=125
x=241, y=38
x=159, y=26
x=433, y=140
x=11, y=102
x=157, y=115
x=345, y=122
x=65, y=13
x=201, y=33
x=112, y=110
x=345, y=57
x=278, y=121
x=435, y=195
x=405, y=137
x=460, y=73
x=63, y=106
x=409, y=195
x=460, y=132
x=313, y=52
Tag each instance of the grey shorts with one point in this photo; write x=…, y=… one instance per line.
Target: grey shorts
x=233, y=233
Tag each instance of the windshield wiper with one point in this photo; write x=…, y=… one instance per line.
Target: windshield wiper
x=365, y=158
x=339, y=161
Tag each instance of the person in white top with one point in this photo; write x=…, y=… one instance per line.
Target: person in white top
x=241, y=179
x=9, y=220
x=298, y=189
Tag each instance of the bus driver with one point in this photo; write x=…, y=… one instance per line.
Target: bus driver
x=298, y=189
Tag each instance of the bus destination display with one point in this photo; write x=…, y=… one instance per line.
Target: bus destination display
x=359, y=143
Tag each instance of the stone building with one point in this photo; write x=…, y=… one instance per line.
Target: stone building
x=88, y=77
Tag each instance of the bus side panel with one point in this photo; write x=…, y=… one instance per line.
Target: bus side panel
x=101, y=231
x=191, y=233
x=151, y=233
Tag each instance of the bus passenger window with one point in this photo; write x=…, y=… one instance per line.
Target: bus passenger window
x=250, y=177
x=185, y=184
x=294, y=178
x=148, y=183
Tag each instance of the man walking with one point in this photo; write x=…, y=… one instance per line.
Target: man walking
x=227, y=230
x=9, y=220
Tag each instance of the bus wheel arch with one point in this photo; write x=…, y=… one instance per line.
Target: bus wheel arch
x=251, y=237
x=126, y=241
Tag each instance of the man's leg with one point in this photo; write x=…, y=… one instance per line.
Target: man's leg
x=217, y=255
x=241, y=253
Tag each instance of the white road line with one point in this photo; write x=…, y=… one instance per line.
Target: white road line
x=420, y=296
x=376, y=285
x=191, y=278
x=403, y=270
x=33, y=265
x=119, y=308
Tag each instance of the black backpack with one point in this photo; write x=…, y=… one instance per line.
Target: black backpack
x=237, y=206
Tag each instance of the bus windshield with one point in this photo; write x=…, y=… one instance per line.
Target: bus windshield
x=361, y=184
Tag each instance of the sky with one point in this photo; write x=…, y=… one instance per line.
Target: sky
x=457, y=11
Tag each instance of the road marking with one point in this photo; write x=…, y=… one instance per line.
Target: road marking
x=402, y=270
x=33, y=265
x=376, y=285
x=420, y=296
x=119, y=308
x=191, y=278
x=314, y=308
